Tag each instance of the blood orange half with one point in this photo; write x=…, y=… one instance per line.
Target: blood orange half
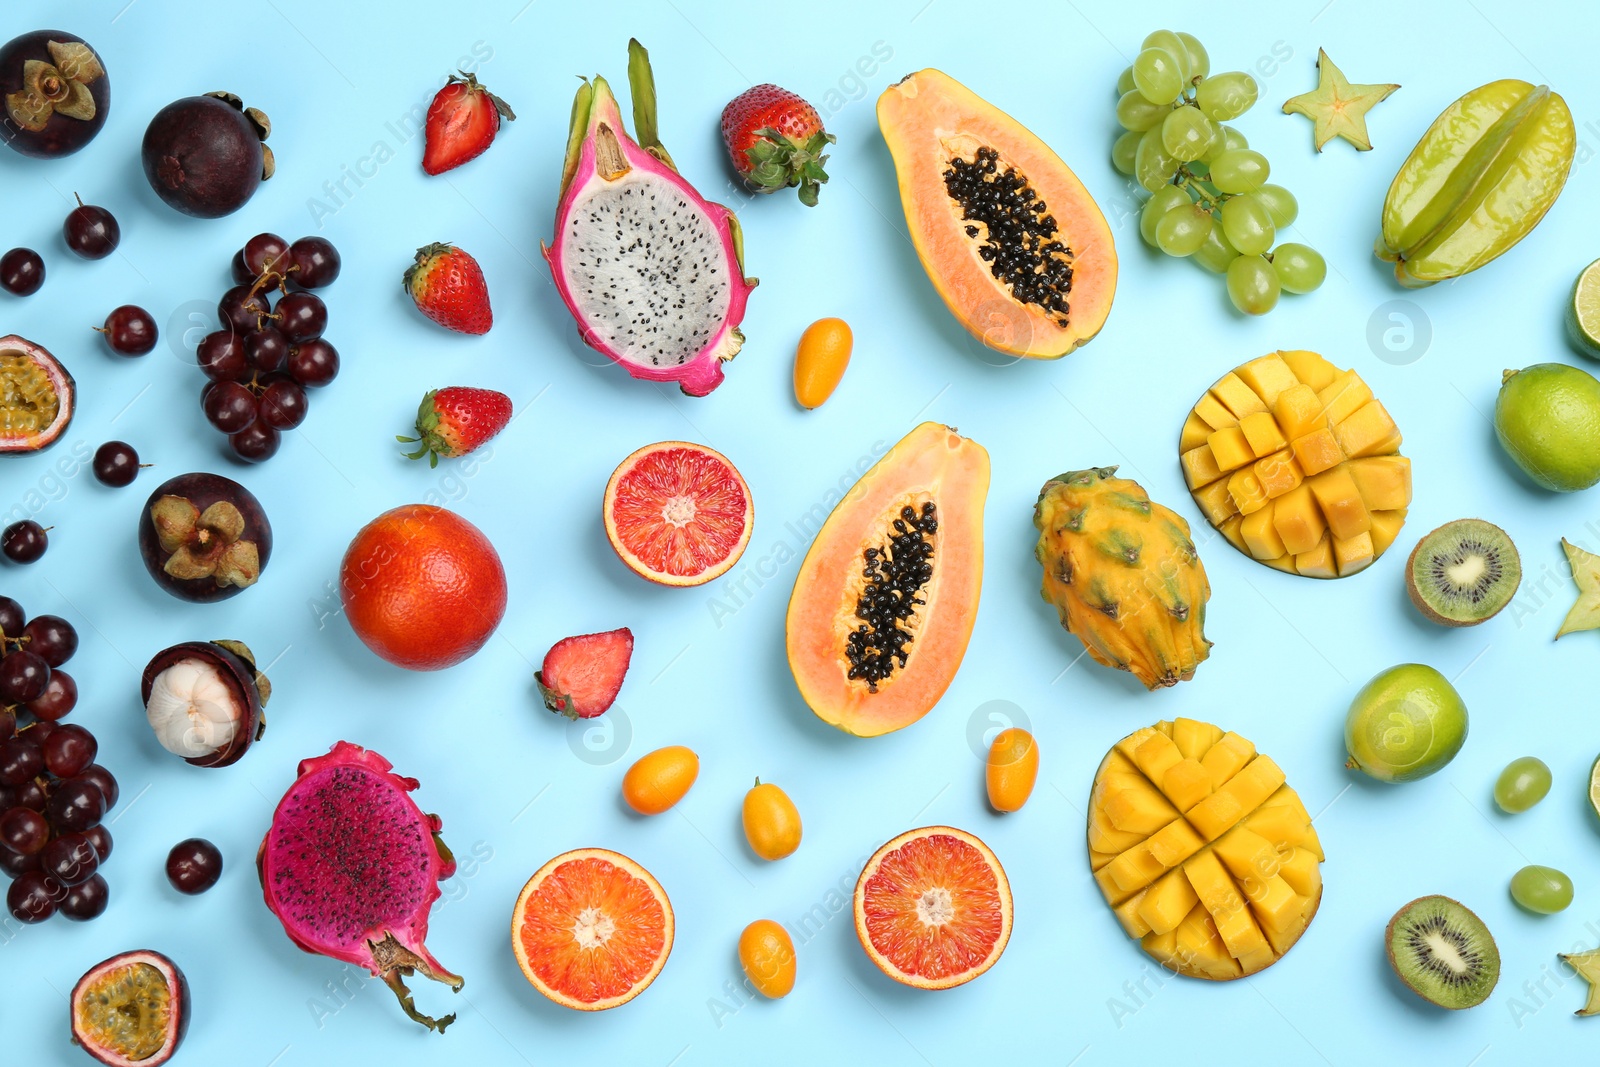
x=591, y=929
x=678, y=513
x=933, y=908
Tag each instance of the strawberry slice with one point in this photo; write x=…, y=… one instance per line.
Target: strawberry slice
x=462, y=122
x=582, y=675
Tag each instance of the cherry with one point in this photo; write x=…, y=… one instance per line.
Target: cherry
x=24, y=542
x=91, y=232
x=256, y=442
x=130, y=331
x=284, y=404
x=23, y=676
x=221, y=355
x=21, y=272
x=87, y=900
x=106, y=782
x=32, y=898
x=59, y=698
x=302, y=317
x=116, y=464
x=314, y=363
x=316, y=262
x=193, y=866
x=51, y=638
x=69, y=750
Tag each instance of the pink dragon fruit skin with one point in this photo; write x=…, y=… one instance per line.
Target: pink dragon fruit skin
x=351, y=867
x=652, y=271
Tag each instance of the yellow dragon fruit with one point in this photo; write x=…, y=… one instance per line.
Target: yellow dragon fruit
x=1124, y=574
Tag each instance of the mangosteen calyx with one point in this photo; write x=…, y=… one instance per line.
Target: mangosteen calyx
x=205, y=544
x=60, y=87
x=204, y=701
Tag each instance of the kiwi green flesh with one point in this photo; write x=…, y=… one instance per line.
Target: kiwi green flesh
x=1463, y=573
x=1443, y=952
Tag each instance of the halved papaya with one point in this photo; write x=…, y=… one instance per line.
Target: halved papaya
x=1009, y=236
x=887, y=595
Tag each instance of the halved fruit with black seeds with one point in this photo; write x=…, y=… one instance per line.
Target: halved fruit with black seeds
x=885, y=600
x=1009, y=236
x=37, y=397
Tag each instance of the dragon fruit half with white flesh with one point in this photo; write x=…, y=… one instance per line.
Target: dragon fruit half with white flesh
x=351, y=867
x=651, y=270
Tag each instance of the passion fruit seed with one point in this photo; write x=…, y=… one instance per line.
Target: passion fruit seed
x=1019, y=238
x=29, y=401
x=895, y=575
x=127, y=1009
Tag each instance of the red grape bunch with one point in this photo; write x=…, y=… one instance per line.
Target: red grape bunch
x=52, y=792
x=270, y=349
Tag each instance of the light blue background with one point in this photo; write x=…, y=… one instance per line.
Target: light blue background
x=507, y=776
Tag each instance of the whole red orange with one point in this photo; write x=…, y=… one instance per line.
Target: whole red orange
x=422, y=587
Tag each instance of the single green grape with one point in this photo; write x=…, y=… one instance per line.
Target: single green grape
x=1157, y=75
x=1232, y=139
x=1252, y=285
x=1226, y=96
x=1124, y=82
x=1172, y=44
x=1199, y=61
x=1300, y=269
x=1216, y=253
x=1182, y=231
x=1137, y=113
x=1153, y=167
x=1167, y=198
x=1541, y=889
x=1522, y=784
x=1239, y=171
x=1186, y=134
x=1280, y=204
x=1123, y=150
x=1247, y=225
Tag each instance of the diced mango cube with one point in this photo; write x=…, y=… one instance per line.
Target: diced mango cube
x=1173, y=843
x=1155, y=755
x=1344, y=395
x=1200, y=949
x=1279, y=473
x=1238, y=397
x=1283, y=563
x=1195, y=432
x=1261, y=536
x=1230, y=530
x=1165, y=903
x=1235, y=925
x=1300, y=870
x=1317, y=563
x=1299, y=412
x=1215, y=502
x=1214, y=414
x=1316, y=451
x=1298, y=520
x=1353, y=554
x=1138, y=809
x=1194, y=738
x=1103, y=837
x=1368, y=431
x=1186, y=783
x=1127, y=747
x=1245, y=488
x=1310, y=368
x=1336, y=494
x=1225, y=758
x=1384, y=482
x=1200, y=467
x=1267, y=376
x=1385, y=528
x=1235, y=798
x=1261, y=433
x=1248, y=855
x=1229, y=449
x=1127, y=914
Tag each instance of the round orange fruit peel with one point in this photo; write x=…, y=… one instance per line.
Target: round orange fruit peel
x=933, y=908
x=678, y=513
x=591, y=929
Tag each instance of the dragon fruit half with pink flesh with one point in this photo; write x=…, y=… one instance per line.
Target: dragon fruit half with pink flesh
x=651, y=270
x=351, y=867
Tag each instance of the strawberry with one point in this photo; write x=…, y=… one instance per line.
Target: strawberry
x=776, y=140
x=581, y=676
x=448, y=287
x=462, y=122
x=452, y=422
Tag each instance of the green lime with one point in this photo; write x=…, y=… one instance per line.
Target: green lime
x=1583, y=312
x=1594, y=787
x=1406, y=723
x=1548, y=420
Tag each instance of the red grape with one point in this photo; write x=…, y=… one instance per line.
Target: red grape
x=302, y=317
x=51, y=638
x=76, y=804
x=267, y=349
x=70, y=859
x=106, y=782
x=68, y=750
x=60, y=697
x=91, y=232
x=314, y=363
x=130, y=331
x=24, y=831
x=229, y=406
x=265, y=252
x=87, y=900
x=20, y=760
x=283, y=404
x=221, y=356
x=316, y=262
x=33, y=897
x=255, y=443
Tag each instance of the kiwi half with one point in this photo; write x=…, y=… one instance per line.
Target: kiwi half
x=1463, y=573
x=1443, y=951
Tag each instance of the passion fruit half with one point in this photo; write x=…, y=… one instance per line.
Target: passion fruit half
x=204, y=537
x=131, y=1010
x=37, y=397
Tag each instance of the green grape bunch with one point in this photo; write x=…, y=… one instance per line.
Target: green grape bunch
x=1210, y=199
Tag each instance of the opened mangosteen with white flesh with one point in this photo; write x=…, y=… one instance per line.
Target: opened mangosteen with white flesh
x=204, y=700
x=204, y=537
